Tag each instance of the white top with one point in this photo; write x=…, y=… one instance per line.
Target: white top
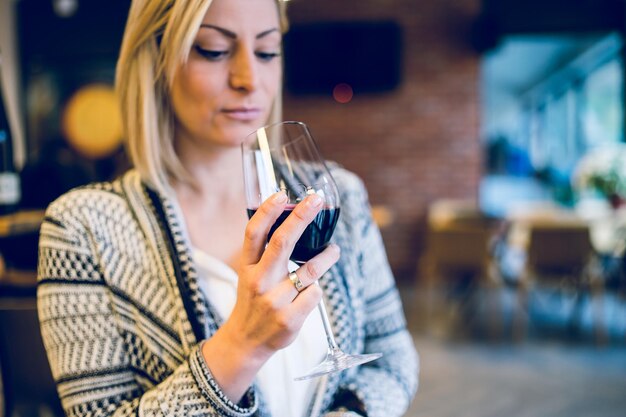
x=284, y=396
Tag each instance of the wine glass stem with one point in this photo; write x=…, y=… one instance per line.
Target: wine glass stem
x=330, y=338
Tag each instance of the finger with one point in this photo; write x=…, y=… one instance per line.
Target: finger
x=259, y=227
x=304, y=304
x=285, y=292
x=284, y=239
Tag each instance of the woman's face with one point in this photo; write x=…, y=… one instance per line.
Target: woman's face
x=227, y=87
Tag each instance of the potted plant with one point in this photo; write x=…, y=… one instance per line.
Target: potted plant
x=603, y=169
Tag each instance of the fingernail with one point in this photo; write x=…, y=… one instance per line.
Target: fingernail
x=315, y=200
x=335, y=247
x=280, y=197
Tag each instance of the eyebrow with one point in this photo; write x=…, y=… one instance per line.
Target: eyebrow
x=233, y=35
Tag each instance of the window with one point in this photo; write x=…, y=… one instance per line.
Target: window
x=602, y=113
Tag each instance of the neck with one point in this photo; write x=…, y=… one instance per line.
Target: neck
x=217, y=175
x=215, y=205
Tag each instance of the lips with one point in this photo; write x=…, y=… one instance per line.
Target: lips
x=242, y=113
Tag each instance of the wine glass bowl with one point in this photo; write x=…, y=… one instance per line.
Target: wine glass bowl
x=284, y=156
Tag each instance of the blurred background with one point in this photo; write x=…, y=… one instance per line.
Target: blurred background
x=490, y=136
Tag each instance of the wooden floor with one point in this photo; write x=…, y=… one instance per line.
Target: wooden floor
x=530, y=380
x=548, y=374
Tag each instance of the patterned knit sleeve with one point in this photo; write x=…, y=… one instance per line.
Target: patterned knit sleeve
x=386, y=386
x=97, y=363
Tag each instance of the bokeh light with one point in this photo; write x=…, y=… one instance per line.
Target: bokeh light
x=92, y=122
x=342, y=93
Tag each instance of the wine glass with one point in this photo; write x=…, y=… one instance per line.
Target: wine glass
x=284, y=156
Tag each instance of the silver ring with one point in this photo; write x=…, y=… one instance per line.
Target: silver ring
x=293, y=277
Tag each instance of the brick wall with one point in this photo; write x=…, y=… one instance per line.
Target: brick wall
x=419, y=142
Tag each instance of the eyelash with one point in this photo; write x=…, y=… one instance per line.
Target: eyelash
x=218, y=55
x=210, y=54
x=267, y=56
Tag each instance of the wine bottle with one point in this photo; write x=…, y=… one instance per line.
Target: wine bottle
x=9, y=179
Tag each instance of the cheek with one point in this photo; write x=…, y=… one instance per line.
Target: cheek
x=278, y=77
x=192, y=87
x=273, y=80
x=193, y=96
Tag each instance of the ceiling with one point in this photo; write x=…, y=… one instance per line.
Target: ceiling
x=520, y=63
x=523, y=61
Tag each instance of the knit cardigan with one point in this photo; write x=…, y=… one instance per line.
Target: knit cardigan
x=122, y=316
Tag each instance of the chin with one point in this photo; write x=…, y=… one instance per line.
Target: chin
x=235, y=135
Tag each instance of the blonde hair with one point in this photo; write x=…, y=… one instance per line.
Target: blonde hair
x=157, y=39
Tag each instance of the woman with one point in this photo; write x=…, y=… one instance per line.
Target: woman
x=157, y=296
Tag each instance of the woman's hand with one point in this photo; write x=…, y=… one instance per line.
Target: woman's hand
x=269, y=311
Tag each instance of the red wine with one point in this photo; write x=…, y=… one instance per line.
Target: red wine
x=314, y=238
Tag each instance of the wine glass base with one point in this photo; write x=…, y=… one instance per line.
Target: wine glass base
x=336, y=361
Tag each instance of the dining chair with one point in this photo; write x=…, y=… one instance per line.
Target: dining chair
x=560, y=255
x=28, y=389
x=457, y=264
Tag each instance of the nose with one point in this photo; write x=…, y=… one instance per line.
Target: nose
x=243, y=71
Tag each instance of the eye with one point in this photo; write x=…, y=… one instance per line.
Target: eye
x=267, y=56
x=211, y=55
